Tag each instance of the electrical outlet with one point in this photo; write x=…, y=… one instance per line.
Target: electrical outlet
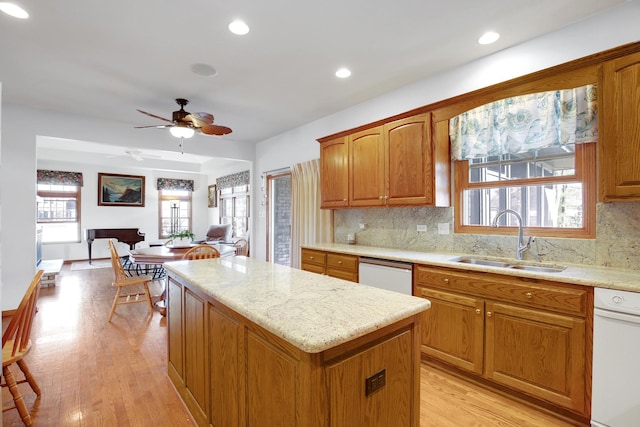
x=443, y=228
x=421, y=228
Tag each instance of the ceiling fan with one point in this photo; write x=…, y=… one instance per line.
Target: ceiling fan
x=185, y=124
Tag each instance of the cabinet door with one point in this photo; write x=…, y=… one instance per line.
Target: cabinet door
x=453, y=329
x=226, y=374
x=540, y=353
x=389, y=405
x=174, y=318
x=619, y=146
x=408, y=163
x=196, y=368
x=366, y=168
x=334, y=173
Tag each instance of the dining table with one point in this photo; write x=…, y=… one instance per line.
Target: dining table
x=150, y=261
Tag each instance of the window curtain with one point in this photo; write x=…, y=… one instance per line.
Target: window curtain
x=233, y=180
x=526, y=123
x=50, y=177
x=309, y=223
x=175, y=184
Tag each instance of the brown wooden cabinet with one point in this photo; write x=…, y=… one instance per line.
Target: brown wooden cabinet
x=392, y=163
x=232, y=372
x=342, y=266
x=619, y=120
x=529, y=335
x=334, y=173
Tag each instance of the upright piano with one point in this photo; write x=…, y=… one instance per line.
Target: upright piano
x=130, y=236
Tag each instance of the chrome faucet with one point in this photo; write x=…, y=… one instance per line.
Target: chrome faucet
x=521, y=247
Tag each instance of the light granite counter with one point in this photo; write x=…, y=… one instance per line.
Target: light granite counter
x=602, y=277
x=311, y=311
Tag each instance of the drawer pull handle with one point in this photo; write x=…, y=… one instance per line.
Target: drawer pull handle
x=311, y=257
x=489, y=314
x=529, y=295
x=478, y=311
x=445, y=280
x=339, y=262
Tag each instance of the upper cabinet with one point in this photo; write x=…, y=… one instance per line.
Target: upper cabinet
x=619, y=147
x=391, y=164
x=334, y=173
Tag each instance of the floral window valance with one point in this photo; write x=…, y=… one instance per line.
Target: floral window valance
x=525, y=123
x=233, y=180
x=175, y=184
x=59, y=177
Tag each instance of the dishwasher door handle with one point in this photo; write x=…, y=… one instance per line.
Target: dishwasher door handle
x=630, y=318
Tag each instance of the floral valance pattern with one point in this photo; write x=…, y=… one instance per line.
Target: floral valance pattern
x=233, y=180
x=175, y=184
x=50, y=177
x=526, y=123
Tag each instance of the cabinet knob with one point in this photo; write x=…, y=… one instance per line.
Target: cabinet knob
x=478, y=311
x=445, y=280
x=344, y=200
x=339, y=262
x=529, y=295
x=489, y=314
x=311, y=257
x=381, y=197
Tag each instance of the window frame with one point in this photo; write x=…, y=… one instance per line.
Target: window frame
x=585, y=167
x=66, y=195
x=224, y=197
x=171, y=197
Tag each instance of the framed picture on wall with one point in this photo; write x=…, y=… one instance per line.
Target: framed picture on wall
x=213, y=196
x=120, y=190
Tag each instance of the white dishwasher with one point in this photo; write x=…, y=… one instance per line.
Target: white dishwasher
x=394, y=276
x=616, y=355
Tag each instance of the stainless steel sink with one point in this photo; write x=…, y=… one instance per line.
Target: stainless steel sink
x=481, y=261
x=516, y=265
x=540, y=268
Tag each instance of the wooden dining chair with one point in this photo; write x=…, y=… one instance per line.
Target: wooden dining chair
x=242, y=246
x=201, y=252
x=121, y=280
x=16, y=344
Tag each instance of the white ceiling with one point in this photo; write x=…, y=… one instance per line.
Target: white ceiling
x=107, y=59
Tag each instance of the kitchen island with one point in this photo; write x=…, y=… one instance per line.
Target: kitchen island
x=254, y=343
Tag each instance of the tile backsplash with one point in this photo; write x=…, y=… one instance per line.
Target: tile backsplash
x=617, y=242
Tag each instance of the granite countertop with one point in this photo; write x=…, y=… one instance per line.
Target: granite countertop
x=311, y=311
x=601, y=277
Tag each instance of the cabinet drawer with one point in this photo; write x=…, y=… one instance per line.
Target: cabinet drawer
x=529, y=292
x=310, y=256
x=342, y=262
x=314, y=268
x=351, y=276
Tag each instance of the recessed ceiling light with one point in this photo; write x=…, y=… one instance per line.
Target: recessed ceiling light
x=13, y=10
x=238, y=27
x=488, y=37
x=204, y=70
x=343, y=73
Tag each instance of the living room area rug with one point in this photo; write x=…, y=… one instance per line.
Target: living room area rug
x=96, y=263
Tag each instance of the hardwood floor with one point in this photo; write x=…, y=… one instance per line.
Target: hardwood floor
x=96, y=373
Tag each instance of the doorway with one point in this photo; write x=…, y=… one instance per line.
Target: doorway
x=279, y=217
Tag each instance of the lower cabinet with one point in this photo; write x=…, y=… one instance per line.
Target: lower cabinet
x=231, y=372
x=342, y=266
x=525, y=334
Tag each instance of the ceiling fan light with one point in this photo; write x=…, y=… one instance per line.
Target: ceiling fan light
x=13, y=10
x=181, y=131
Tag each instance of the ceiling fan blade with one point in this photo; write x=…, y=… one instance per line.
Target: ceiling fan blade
x=215, y=130
x=199, y=119
x=153, y=126
x=155, y=117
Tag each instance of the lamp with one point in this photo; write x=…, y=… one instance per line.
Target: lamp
x=181, y=130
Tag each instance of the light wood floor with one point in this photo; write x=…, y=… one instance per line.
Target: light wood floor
x=95, y=373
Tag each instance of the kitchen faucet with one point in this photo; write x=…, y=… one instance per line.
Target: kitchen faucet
x=521, y=247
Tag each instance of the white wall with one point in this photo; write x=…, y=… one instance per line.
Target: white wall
x=144, y=218
x=601, y=32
